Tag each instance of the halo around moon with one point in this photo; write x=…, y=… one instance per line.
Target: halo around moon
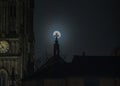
x=56, y=34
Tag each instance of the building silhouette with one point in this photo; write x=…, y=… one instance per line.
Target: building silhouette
x=16, y=41
x=82, y=71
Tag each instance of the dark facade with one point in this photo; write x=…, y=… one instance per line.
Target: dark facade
x=16, y=40
x=82, y=71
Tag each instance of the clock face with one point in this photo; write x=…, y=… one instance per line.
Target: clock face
x=4, y=46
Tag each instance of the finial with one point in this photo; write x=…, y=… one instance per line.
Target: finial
x=56, y=34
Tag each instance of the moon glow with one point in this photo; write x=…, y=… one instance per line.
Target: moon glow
x=56, y=34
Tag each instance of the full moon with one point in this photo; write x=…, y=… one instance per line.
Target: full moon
x=56, y=34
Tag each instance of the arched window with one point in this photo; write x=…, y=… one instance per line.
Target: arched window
x=3, y=78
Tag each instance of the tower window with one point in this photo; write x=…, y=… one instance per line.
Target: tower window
x=12, y=11
x=12, y=27
x=3, y=79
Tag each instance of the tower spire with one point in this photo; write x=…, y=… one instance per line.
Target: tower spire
x=56, y=46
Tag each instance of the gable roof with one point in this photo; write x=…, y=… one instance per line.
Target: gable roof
x=81, y=66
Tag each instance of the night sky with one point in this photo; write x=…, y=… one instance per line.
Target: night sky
x=85, y=25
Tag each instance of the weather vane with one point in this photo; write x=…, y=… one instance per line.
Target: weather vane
x=56, y=34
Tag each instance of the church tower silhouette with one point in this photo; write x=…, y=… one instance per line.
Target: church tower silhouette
x=16, y=40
